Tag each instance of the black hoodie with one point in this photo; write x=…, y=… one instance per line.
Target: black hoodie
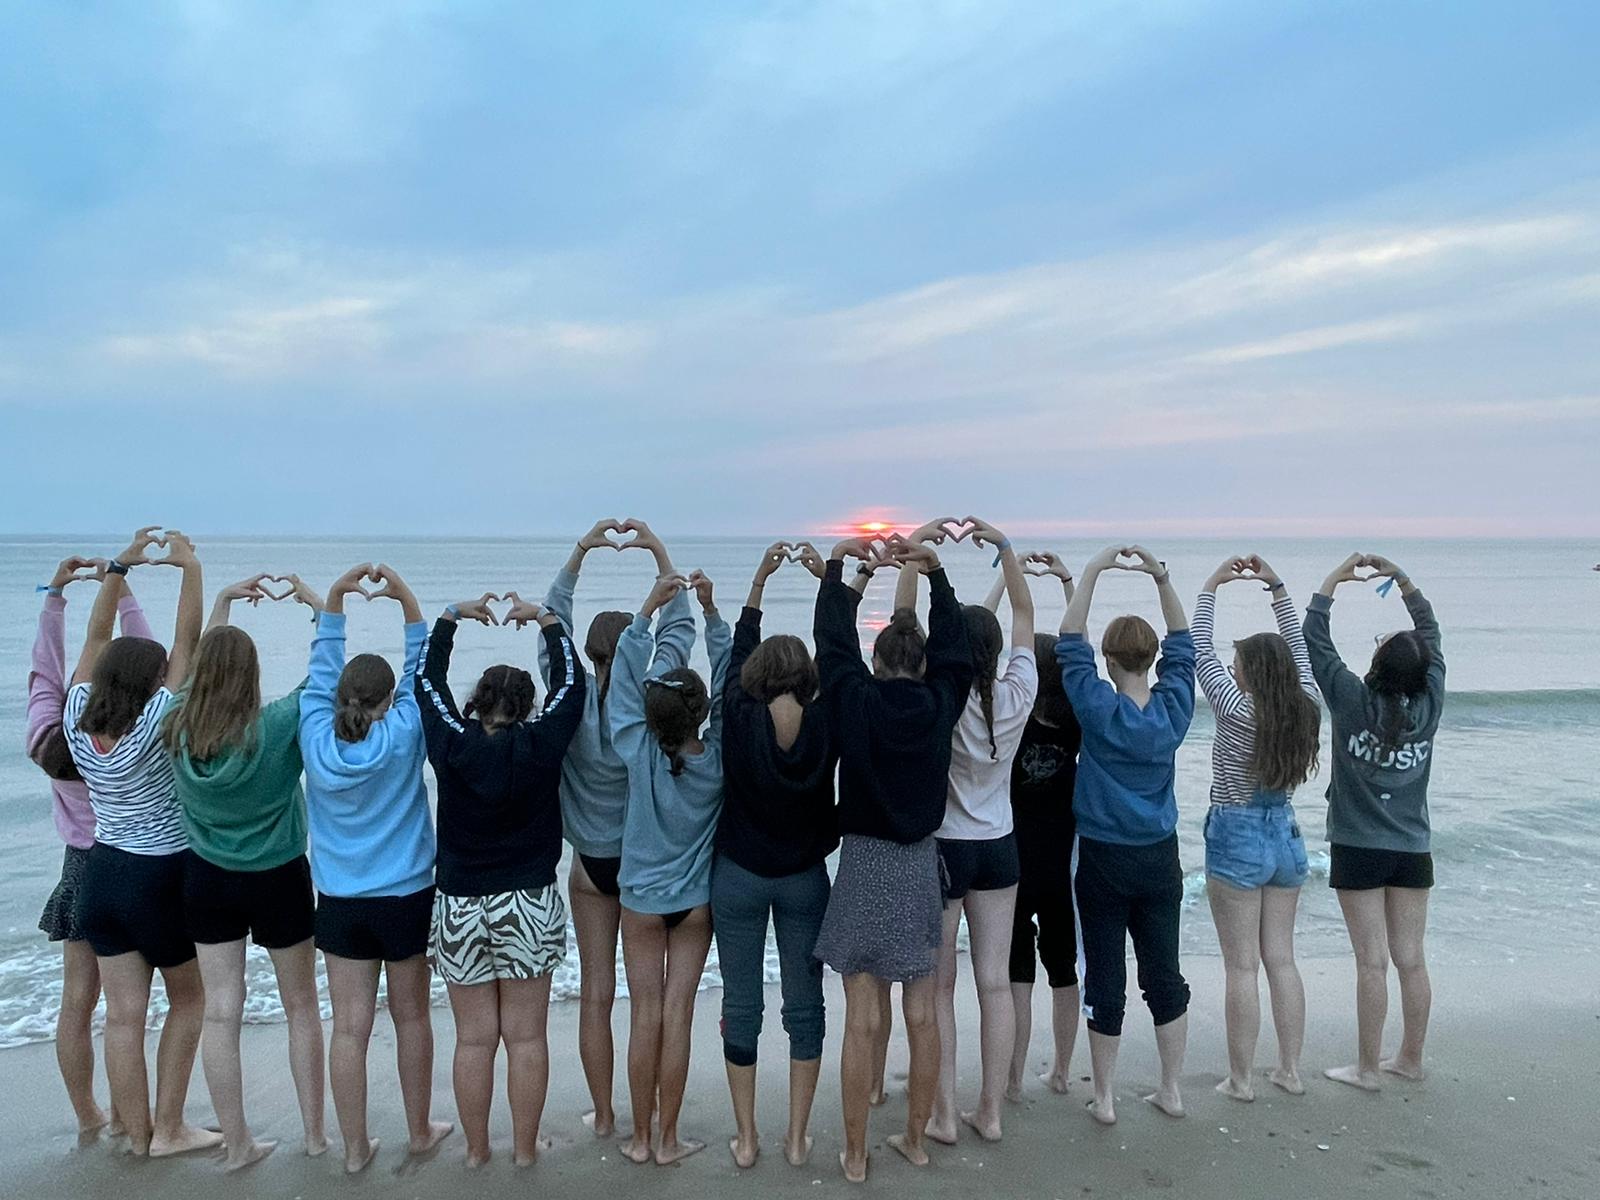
x=893, y=734
x=777, y=805
x=499, y=793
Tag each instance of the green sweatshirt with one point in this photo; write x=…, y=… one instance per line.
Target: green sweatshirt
x=244, y=810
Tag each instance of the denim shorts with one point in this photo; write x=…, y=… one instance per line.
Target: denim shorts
x=1255, y=845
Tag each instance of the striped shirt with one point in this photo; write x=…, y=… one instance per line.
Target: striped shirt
x=131, y=788
x=1233, y=747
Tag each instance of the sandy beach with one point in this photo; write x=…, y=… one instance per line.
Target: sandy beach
x=1509, y=1108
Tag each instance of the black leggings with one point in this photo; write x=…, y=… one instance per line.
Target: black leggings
x=1130, y=891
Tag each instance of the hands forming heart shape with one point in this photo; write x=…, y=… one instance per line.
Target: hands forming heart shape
x=1043, y=563
x=600, y=536
x=518, y=614
x=180, y=550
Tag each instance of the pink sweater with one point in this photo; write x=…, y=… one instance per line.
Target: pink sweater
x=47, y=696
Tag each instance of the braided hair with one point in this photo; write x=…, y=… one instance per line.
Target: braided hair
x=986, y=640
x=676, y=704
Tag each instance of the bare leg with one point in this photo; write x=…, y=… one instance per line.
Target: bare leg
x=863, y=1013
x=917, y=1006
x=1365, y=919
x=942, y=1124
x=1103, y=1049
x=477, y=1012
x=353, y=988
x=413, y=1046
x=803, y=1075
x=127, y=984
x=1022, y=1023
x=80, y=992
x=596, y=918
x=880, y=1047
x=1066, y=1008
x=644, y=953
x=1284, y=984
x=524, y=1022
x=180, y=1039
x=1406, y=915
x=745, y=1146
x=989, y=916
x=687, y=946
x=1237, y=914
x=222, y=972
x=1172, y=1040
x=296, y=969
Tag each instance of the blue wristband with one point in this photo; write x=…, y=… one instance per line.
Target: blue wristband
x=453, y=611
x=999, y=552
x=45, y=587
x=1385, y=586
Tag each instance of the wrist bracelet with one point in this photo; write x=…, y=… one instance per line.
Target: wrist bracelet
x=1280, y=586
x=114, y=567
x=48, y=589
x=453, y=611
x=999, y=551
x=863, y=569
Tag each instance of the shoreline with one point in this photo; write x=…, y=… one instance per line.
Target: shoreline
x=1514, y=1062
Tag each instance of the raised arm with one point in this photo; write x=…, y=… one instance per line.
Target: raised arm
x=949, y=653
x=1172, y=614
x=191, y=601
x=393, y=587
x=47, y=677
x=1339, y=684
x=625, y=697
x=719, y=648
x=833, y=625
x=246, y=589
x=773, y=557
x=1076, y=619
x=1422, y=618
x=1226, y=696
x=1288, y=618
x=103, y=615
x=675, y=630
x=645, y=538
x=1014, y=578
x=1048, y=563
x=563, y=702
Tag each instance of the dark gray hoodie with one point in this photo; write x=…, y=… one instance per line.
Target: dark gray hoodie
x=1377, y=798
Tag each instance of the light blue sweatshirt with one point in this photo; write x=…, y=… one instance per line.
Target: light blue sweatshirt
x=594, y=779
x=366, y=802
x=671, y=821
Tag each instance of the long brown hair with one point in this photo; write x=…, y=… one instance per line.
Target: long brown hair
x=366, y=682
x=986, y=641
x=1050, y=705
x=222, y=700
x=1399, y=671
x=128, y=672
x=780, y=666
x=1287, y=719
x=504, y=696
x=600, y=644
x=676, y=704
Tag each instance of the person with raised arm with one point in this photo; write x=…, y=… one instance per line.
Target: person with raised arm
x=74, y=821
x=774, y=836
x=1267, y=726
x=884, y=922
x=372, y=850
x=1044, y=925
x=1378, y=826
x=499, y=927
x=130, y=906
x=667, y=726
x=977, y=842
x=236, y=767
x=1129, y=880
x=594, y=796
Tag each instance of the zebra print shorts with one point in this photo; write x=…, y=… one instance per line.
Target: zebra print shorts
x=511, y=935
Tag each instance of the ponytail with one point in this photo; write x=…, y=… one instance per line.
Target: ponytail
x=676, y=704
x=366, y=682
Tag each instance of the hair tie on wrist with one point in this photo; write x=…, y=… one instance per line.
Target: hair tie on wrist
x=1385, y=586
x=453, y=611
x=999, y=551
x=1280, y=586
x=49, y=588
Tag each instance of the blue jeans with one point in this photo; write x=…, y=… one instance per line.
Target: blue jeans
x=741, y=903
x=1257, y=844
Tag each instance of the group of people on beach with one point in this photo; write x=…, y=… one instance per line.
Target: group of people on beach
x=960, y=772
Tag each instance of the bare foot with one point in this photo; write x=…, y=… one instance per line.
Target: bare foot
x=89, y=1127
x=675, y=1151
x=476, y=1160
x=430, y=1142
x=1170, y=1103
x=797, y=1154
x=355, y=1161
x=1014, y=1091
x=1056, y=1080
x=1236, y=1091
x=253, y=1154
x=635, y=1150
x=117, y=1128
x=540, y=1144
x=1406, y=1070
x=1289, y=1081
x=600, y=1126
x=316, y=1146
x=879, y=1097
x=744, y=1153
x=853, y=1172
x=944, y=1134
x=1367, y=1081
x=988, y=1130
x=1105, y=1113
x=187, y=1140
x=913, y=1154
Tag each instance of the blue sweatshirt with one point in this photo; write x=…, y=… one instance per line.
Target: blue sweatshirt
x=671, y=820
x=1123, y=793
x=594, y=779
x=366, y=803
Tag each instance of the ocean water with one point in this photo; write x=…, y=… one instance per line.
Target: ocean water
x=1514, y=798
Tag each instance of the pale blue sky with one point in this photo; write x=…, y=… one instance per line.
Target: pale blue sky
x=748, y=267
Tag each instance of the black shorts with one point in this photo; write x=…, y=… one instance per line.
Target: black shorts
x=1360, y=869
x=985, y=866
x=374, y=928
x=602, y=873
x=133, y=903
x=275, y=906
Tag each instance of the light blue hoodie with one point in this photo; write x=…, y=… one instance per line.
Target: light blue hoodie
x=366, y=802
x=594, y=779
x=671, y=819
